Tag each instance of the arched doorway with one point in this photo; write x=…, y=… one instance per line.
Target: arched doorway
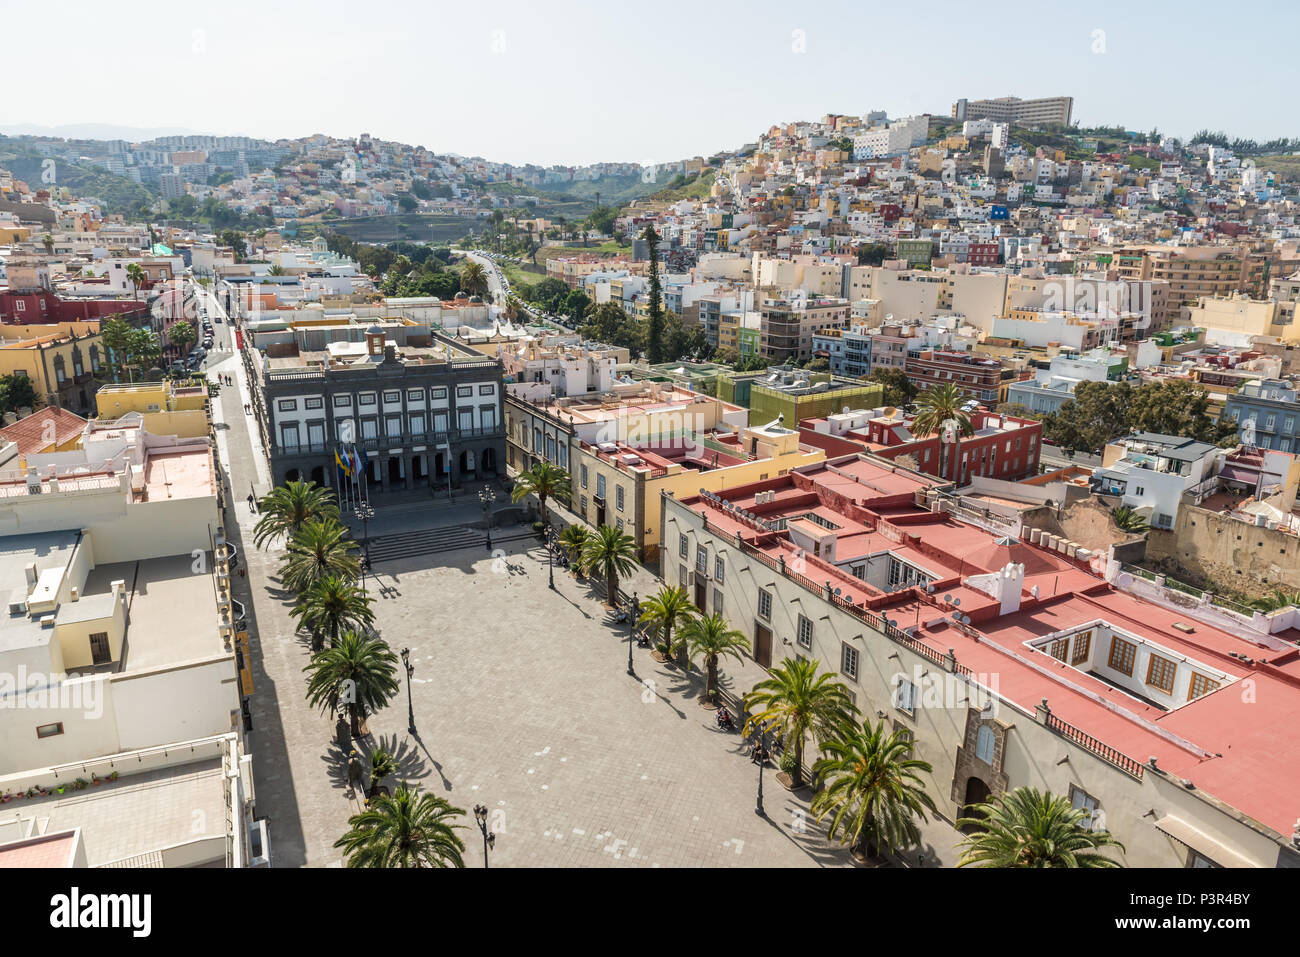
x=394, y=470
x=318, y=475
x=490, y=461
x=977, y=792
x=467, y=462
x=420, y=466
x=293, y=475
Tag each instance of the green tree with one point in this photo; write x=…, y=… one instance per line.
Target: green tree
x=318, y=549
x=142, y=350
x=1173, y=407
x=873, y=254
x=872, y=790
x=655, y=321
x=16, y=392
x=1277, y=600
x=1096, y=413
x=406, y=830
x=331, y=606
x=668, y=612
x=474, y=278
x=1129, y=520
x=359, y=673
x=135, y=275
x=1032, y=828
x=610, y=554
x=543, y=480
x=709, y=637
x=940, y=409
x=899, y=390
x=114, y=333
x=288, y=507
x=794, y=702
x=382, y=765
x=574, y=539
x=181, y=335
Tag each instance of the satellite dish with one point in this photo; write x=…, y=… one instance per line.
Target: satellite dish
x=956, y=602
x=929, y=589
x=947, y=598
x=837, y=591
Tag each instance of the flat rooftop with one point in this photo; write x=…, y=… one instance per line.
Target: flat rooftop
x=172, y=611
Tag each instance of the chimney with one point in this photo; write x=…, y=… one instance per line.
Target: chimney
x=1011, y=581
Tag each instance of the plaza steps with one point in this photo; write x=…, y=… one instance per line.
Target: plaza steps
x=431, y=541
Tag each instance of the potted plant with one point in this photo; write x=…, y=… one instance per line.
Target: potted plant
x=94, y=779
x=787, y=765
x=81, y=784
x=112, y=776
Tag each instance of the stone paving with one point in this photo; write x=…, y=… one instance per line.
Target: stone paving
x=522, y=703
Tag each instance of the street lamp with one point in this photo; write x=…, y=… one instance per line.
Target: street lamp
x=489, y=840
x=759, y=756
x=365, y=513
x=631, y=631
x=550, y=554
x=486, y=497
x=410, y=708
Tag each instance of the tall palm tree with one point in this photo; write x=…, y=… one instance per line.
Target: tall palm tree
x=542, y=480
x=574, y=539
x=667, y=612
x=610, y=554
x=936, y=408
x=473, y=278
x=286, y=509
x=408, y=829
x=708, y=637
x=331, y=606
x=136, y=276
x=319, y=548
x=382, y=765
x=873, y=789
x=1032, y=828
x=359, y=672
x=794, y=701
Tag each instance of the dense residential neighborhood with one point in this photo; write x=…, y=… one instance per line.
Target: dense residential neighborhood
x=888, y=491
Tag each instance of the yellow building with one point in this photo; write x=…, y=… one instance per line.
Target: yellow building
x=1232, y=320
x=61, y=360
x=170, y=407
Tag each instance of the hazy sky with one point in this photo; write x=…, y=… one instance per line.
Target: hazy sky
x=579, y=82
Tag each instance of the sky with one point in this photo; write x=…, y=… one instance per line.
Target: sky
x=570, y=82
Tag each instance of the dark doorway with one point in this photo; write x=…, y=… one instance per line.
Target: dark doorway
x=701, y=593
x=977, y=792
x=490, y=461
x=99, y=651
x=291, y=475
x=318, y=475
x=467, y=463
x=440, y=466
x=394, y=471
x=763, y=645
x=420, y=466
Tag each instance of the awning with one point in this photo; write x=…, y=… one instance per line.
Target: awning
x=1201, y=843
x=1235, y=473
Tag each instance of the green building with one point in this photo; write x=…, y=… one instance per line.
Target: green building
x=796, y=394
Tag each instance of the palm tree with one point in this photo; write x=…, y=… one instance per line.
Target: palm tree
x=574, y=539
x=406, y=830
x=136, y=276
x=609, y=553
x=382, y=765
x=542, y=480
x=287, y=508
x=1129, y=520
x=669, y=611
x=1032, y=828
x=873, y=790
x=1278, y=599
x=709, y=637
x=937, y=408
x=359, y=672
x=795, y=701
x=319, y=548
x=48, y=242
x=331, y=606
x=473, y=278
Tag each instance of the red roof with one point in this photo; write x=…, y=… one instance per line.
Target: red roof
x=44, y=430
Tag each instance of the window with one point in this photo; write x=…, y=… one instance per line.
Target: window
x=1081, y=800
x=1201, y=685
x=905, y=696
x=464, y=391
x=486, y=390
x=1060, y=649
x=438, y=393
x=49, y=730
x=720, y=569
x=849, y=661
x=287, y=405
x=683, y=545
x=600, y=487
x=584, y=479
x=717, y=601
x=316, y=403
x=619, y=523
x=804, y=632
x=1139, y=491
x=414, y=395
x=584, y=506
x=985, y=740
x=764, y=604
x=342, y=401
x=682, y=576
x=393, y=396
x=366, y=398
x=1082, y=645
x=1160, y=673
x=1122, y=655
x=702, y=559
x=618, y=498
x=1196, y=860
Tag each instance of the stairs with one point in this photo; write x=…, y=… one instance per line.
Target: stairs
x=431, y=541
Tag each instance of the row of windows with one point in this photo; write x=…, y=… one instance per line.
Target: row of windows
x=1161, y=671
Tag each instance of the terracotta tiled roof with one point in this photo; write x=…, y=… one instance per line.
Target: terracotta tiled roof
x=44, y=430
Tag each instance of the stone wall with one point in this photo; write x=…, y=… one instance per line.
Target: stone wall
x=1206, y=547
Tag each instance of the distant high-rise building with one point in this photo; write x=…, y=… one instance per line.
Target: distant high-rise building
x=1012, y=109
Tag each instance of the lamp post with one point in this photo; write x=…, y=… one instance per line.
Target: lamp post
x=489, y=840
x=410, y=708
x=365, y=513
x=631, y=631
x=550, y=554
x=759, y=756
x=486, y=497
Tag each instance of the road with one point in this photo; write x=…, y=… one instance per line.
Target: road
x=498, y=285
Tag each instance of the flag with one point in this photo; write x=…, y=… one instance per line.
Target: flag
x=345, y=468
x=356, y=461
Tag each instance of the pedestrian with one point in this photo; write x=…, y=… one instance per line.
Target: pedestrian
x=252, y=503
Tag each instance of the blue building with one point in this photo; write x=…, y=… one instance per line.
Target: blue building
x=1267, y=414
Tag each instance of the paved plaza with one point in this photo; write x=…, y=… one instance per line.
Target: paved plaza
x=522, y=703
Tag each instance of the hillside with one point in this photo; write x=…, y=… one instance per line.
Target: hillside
x=117, y=193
